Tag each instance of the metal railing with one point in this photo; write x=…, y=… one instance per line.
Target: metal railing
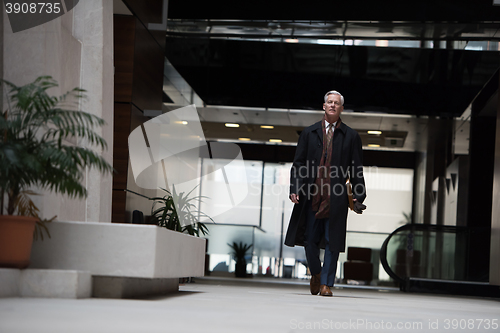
x=426, y=251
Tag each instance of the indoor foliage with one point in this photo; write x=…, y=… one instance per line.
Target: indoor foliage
x=40, y=145
x=184, y=219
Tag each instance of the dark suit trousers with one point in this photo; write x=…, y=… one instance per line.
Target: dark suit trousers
x=317, y=229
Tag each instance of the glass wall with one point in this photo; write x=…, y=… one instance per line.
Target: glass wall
x=246, y=181
x=236, y=222
x=272, y=256
x=389, y=193
x=262, y=219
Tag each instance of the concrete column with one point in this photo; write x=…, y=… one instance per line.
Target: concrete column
x=94, y=29
x=495, y=213
x=482, y=153
x=1, y=57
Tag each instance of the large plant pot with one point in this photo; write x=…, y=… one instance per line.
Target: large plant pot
x=241, y=268
x=16, y=238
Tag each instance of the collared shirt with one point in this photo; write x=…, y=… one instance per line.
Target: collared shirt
x=328, y=124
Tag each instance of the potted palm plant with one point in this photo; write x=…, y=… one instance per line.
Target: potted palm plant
x=184, y=219
x=36, y=150
x=239, y=252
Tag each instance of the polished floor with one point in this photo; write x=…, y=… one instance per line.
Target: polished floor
x=232, y=305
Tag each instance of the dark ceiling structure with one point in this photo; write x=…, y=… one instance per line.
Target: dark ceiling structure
x=268, y=54
x=334, y=10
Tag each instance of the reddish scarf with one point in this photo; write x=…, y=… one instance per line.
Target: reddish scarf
x=321, y=200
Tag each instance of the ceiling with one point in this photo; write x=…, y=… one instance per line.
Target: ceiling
x=396, y=65
x=399, y=132
x=307, y=31
x=323, y=10
x=255, y=64
x=396, y=80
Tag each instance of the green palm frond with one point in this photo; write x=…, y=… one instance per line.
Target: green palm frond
x=239, y=250
x=407, y=218
x=37, y=136
x=183, y=217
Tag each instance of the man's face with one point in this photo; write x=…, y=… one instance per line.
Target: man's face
x=333, y=107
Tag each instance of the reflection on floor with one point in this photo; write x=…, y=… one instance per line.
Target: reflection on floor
x=271, y=281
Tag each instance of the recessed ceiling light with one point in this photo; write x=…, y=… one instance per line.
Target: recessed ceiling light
x=184, y=122
x=232, y=125
x=266, y=126
x=330, y=41
x=375, y=132
x=244, y=139
x=373, y=145
x=275, y=140
x=382, y=43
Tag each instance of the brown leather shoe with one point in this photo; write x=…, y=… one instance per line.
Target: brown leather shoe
x=325, y=291
x=314, y=283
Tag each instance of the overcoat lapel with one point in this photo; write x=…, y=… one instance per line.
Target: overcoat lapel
x=319, y=144
x=336, y=158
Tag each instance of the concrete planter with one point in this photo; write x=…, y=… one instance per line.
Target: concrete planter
x=127, y=259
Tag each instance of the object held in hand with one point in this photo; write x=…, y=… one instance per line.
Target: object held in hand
x=349, y=193
x=359, y=207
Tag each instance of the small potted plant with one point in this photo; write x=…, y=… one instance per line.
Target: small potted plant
x=36, y=132
x=184, y=219
x=239, y=252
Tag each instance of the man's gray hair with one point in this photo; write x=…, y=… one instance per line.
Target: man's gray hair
x=335, y=92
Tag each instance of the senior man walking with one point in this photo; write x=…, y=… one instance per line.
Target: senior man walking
x=327, y=154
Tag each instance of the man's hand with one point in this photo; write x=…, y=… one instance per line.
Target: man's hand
x=294, y=198
x=358, y=207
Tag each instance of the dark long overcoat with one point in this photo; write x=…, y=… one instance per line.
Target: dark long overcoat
x=346, y=161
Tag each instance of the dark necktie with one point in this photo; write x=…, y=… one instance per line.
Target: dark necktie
x=329, y=135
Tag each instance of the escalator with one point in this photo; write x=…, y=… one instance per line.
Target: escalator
x=434, y=259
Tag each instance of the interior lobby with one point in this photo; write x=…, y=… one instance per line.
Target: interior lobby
x=420, y=83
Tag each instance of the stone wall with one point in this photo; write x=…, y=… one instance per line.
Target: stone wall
x=76, y=49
